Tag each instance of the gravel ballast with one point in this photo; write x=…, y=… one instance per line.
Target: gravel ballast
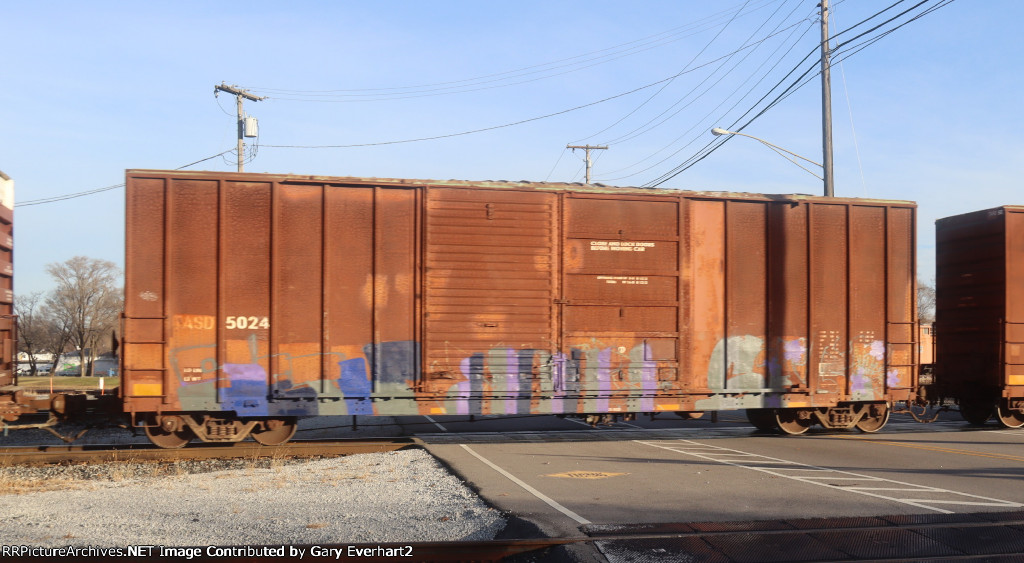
x=394, y=497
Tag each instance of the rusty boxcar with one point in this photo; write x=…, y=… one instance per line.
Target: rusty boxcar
x=254, y=299
x=979, y=321
x=13, y=403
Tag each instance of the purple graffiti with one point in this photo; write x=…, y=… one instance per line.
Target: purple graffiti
x=794, y=350
x=604, y=378
x=465, y=388
x=558, y=382
x=245, y=372
x=649, y=378
x=893, y=378
x=877, y=350
x=858, y=381
x=512, y=382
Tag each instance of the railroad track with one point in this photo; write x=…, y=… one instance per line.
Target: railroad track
x=20, y=455
x=903, y=538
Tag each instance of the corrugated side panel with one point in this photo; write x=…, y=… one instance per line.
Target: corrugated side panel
x=970, y=297
x=8, y=331
x=748, y=299
x=901, y=311
x=788, y=288
x=143, y=358
x=1014, y=332
x=811, y=300
x=490, y=288
x=267, y=298
x=829, y=337
x=870, y=334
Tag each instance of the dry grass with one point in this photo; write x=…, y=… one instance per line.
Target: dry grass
x=64, y=382
x=118, y=471
x=261, y=473
x=16, y=486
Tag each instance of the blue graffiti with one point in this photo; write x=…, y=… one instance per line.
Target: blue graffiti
x=248, y=394
x=355, y=386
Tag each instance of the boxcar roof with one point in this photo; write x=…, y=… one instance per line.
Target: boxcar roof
x=497, y=184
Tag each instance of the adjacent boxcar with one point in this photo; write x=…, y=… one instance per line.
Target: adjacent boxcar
x=980, y=313
x=12, y=403
x=253, y=299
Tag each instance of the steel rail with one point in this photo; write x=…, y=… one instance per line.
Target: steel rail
x=17, y=455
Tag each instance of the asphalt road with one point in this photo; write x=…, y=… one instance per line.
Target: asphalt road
x=566, y=477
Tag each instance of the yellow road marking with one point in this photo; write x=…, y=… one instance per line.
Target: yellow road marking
x=586, y=474
x=932, y=448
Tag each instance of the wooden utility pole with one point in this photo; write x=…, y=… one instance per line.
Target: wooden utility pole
x=588, y=148
x=826, y=104
x=239, y=94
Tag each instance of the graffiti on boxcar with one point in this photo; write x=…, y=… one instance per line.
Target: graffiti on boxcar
x=503, y=372
x=593, y=376
x=867, y=367
x=524, y=381
x=893, y=377
x=244, y=387
x=354, y=385
x=737, y=362
x=742, y=362
x=791, y=369
x=247, y=394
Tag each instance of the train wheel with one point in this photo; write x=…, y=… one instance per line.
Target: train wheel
x=171, y=434
x=976, y=412
x=276, y=431
x=763, y=419
x=876, y=418
x=1009, y=418
x=791, y=422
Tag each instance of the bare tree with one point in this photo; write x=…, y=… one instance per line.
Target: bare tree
x=925, y=302
x=31, y=326
x=88, y=299
x=56, y=333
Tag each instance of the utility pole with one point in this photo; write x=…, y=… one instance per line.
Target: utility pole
x=826, y=104
x=588, y=148
x=239, y=94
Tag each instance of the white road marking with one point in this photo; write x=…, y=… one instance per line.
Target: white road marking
x=550, y=502
x=728, y=457
x=443, y=429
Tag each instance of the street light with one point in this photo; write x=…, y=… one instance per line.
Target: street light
x=718, y=131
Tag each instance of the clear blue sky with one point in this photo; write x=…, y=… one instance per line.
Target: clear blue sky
x=90, y=89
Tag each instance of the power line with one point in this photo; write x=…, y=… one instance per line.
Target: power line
x=205, y=159
x=697, y=124
x=798, y=83
x=560, y=155
x=537, y=118
x=67, y=196
x=666, y=85
x=647, y=127
x=477, y=83
x=715, y=143
x=100, y=189
x=725, y=99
